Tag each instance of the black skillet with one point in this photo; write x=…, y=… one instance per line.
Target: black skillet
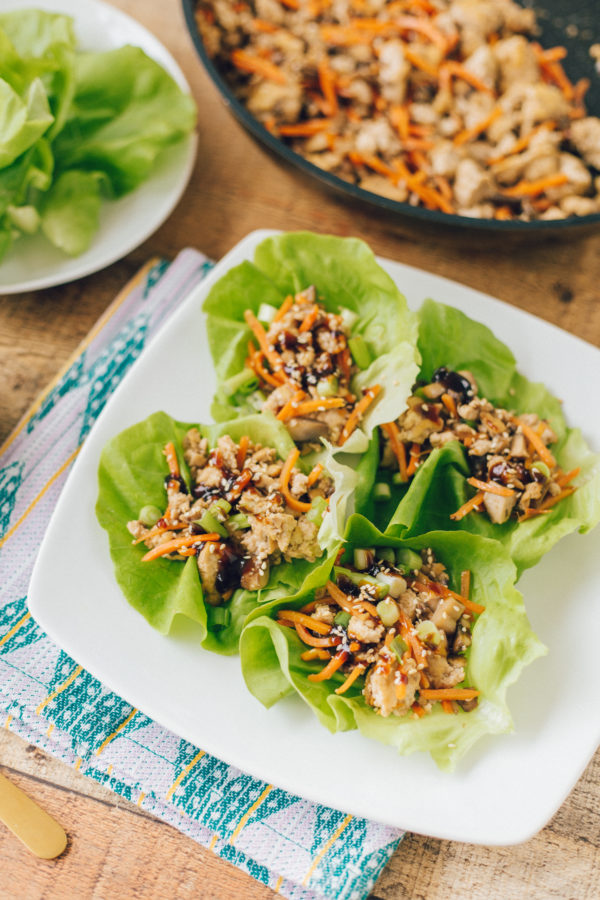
x=574, y=25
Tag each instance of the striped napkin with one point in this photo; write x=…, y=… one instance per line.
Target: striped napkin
x=299, y=849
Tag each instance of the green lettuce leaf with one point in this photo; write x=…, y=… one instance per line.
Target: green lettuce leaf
x=131, y=475
x=125, y=111
x=346, y=275
x=71, y=210
x=22, y=120
x=503, y=644
x=450, y=338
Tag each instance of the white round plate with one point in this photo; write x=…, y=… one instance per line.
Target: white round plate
x=33, y=262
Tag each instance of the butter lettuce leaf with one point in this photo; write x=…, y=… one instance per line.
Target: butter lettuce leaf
x=131, y=475
x=447, y=337
x=346, y=276
x=503, y=644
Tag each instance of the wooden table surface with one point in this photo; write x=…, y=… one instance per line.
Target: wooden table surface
x=116, y=850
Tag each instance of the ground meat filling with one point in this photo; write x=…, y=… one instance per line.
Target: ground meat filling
x=389, y=623
x=244, y=511
x=305, y=365
x=513, y=470
x=447, y=104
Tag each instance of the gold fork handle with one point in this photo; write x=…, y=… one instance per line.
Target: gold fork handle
x=29, y=822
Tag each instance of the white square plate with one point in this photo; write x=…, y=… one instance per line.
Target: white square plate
x=508, y=786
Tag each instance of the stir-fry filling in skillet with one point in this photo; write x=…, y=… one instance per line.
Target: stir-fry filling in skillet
x=245, y=511
x=305, y=362
x=390, y=618
x=451, y=105
x=513, y=470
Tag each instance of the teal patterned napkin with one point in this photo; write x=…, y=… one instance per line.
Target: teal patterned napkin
x=300, y=849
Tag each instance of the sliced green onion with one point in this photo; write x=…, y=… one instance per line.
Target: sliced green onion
x=541, y=467
x=363, y=558
x=266, y=313
x=395, y=584
x=317, y=510
x=399, y=646
x=427, y=631
x=360, y=352
x=244, y=382
x=381, y=492
x=328, y=387
x=26, y=218
x=388, y=612
x=219, y=615
x=386, y=554
x=239, y=522
x=408, y=558
x=210, y=523
x=398, y=479
x=220, y=508
x=342, y=618
x=349, y=317
x=149, y=515
x=360, y=578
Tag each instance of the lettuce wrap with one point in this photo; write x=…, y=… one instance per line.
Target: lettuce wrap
x=447, y=337
x=132, y=475
x=502, y=645
x=349, y=281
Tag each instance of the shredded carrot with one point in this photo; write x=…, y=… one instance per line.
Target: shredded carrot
x=400, y=691
x=456, y=69
x=178, y=543
x=294, y=616
x=246, y=62
x=273, y=358
x=438, y=588
x=327, y=85
x=284, y=481
x=530, y=512
x=469, y=133
x=313, y=405
x=284, y=308
x=555, y=72
x=288, y=411
x=565, y=478
x=242, y=451
x=171, y=456
x=523, y=142
x=537, y=443
x=275, y=379
x=332, y=666
x=424, y=27
x=418, y=710
x=549, y=502
x=448, y=707
x=310, y=319
x=408, y=633
x=491, y=487
x=418, y=62
x=400, y=120
x=340, y=597
x=308, y=128
x=314, y=653
x=393, y=433
x=312, y=641
x=415, y=451
x=467, y=507
x=465, y=584
x=443, y=186
x=358, y=412
x=291, y=4
x=450, y=404
x=366, y=606
x=315, y=474
x=264, y=27
x=161, y=529
x=354, y=674
x=503, y=213
x=344, y=35
x=532, y=188
x=449, y=694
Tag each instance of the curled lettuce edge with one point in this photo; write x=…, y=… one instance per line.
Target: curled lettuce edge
x=131, y=475
x=503, y=644
x=346, y=275
x=449, y=337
